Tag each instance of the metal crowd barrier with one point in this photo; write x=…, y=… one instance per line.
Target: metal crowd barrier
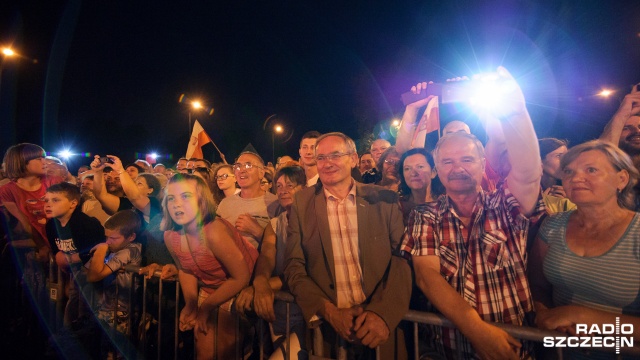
x=55, y=288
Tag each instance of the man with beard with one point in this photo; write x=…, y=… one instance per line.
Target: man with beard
x=112, y=182
x=624, y=127
x=623, y=130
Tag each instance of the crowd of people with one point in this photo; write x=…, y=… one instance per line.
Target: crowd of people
x=514, y=230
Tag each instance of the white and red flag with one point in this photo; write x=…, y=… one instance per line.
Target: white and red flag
x=198, y=138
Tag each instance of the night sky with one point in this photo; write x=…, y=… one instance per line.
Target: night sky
x=109, y=73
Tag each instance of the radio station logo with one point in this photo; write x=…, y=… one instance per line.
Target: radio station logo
x=595, y=336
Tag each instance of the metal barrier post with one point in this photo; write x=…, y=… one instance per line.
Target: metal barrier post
x=261, y=334
x=318, y=348
x=159, y=317
x=144, y=313
x=342, y=349
x=237, y=334
x=177, y=316
x=416, y=346
x=288, y=336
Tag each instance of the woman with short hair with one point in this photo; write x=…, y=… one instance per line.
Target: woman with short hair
x=584, y=267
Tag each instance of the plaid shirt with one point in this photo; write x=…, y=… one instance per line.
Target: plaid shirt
x=488, y=269
x=343, y=226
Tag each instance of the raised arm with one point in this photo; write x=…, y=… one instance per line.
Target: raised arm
x=521, y=143
x=139, y=200
x=110, y=203
x=410, y=120
x=629, y=107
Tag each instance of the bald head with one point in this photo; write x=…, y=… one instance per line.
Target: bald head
x=456, y=126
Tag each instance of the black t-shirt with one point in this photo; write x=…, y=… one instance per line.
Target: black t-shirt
x=80, y=235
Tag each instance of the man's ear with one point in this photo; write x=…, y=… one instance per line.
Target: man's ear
x=131, y=237
x=434, y=173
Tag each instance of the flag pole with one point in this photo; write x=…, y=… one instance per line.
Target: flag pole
x=220, y=152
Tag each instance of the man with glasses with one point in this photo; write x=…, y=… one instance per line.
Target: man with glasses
x=251, y=209
x=341, y=255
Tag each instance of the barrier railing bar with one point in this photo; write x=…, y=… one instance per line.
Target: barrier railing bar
x=521, y=332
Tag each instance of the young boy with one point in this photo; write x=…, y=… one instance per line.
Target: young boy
x=71, y=234
x=118, y=251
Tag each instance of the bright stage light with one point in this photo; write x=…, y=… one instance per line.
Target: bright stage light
x=154, y=156
x=65, y=154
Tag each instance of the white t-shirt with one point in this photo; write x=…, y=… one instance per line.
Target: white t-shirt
x=262, y=208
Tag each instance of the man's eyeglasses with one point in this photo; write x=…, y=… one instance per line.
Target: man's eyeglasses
x=391, y=161
x=331, y=157
x=247, y=166
x=223, y=176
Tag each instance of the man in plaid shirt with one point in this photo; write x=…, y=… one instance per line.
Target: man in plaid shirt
x=469, y=247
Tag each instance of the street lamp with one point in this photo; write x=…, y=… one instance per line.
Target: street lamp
x=195, y=105
x=276, y=129
x=605, y=93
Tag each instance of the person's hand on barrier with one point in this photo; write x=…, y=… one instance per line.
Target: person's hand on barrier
x=342, y=320
x=559, y=318
x=263, y=300
x=169, y=271
x=202, y=320
x=491, y=342
x=370, y=329
x=149, y=270
x=244, y=299
x=187, y=318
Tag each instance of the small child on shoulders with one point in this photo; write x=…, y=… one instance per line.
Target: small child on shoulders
x=71, y=235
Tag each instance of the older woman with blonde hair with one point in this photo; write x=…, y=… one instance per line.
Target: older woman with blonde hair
x=584, y=267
